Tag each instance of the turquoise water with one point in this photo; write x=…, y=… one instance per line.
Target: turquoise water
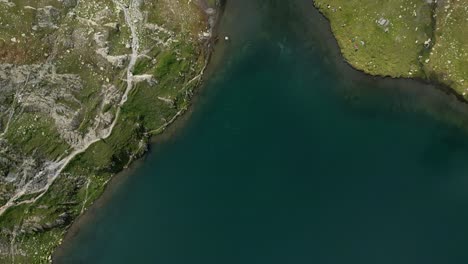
x=290, y=156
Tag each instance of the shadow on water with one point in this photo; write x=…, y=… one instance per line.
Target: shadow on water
x=292, y=156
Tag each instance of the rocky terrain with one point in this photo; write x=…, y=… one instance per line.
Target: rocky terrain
x=83, y=85
x=426, y=39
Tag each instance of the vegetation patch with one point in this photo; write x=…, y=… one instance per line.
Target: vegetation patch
x=68, y=79
x=417, y=38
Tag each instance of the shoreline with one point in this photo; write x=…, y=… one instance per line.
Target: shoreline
x=172, y=130
x=434, y=82
x=432, y=94
x=168, y=133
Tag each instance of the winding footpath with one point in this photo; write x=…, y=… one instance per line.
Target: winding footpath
x=132, y=17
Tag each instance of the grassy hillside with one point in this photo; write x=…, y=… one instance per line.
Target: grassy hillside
x=85, y=84
x=403, y=38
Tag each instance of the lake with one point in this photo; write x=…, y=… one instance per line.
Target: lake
x=291, y=156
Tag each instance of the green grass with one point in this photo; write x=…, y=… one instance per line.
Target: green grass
x=390, y=50
x=5, y=190
x=173, y=66
x=397, y=48
x=175, y=15
x=142, y=66
x=27, y=197
x=449, y=57
x=36, y=133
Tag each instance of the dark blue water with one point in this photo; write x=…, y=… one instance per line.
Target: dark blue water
x=290, y=156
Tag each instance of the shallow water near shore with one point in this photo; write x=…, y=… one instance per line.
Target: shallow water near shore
x=291, y=156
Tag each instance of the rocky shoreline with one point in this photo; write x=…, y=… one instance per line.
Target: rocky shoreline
x=35, y=222
x=118, y=180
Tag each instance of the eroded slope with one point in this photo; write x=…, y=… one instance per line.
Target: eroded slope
x=83, y=84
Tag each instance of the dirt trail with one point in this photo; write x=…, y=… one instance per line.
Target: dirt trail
x=132, y=17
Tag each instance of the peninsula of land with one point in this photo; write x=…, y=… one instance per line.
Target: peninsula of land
x=425, y=39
